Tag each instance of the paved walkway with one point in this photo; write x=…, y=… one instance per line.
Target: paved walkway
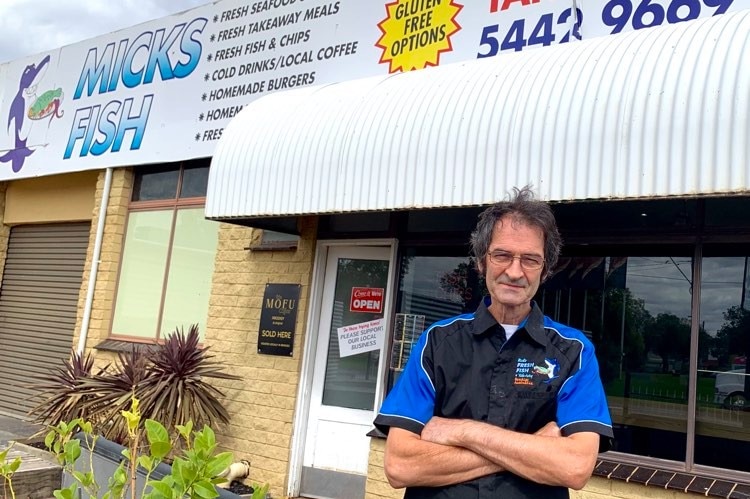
x=39, y=474
x=12, y=428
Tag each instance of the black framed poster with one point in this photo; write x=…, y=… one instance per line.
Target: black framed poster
x=278, y=317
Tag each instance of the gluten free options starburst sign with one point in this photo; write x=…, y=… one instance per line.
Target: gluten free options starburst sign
x=416, y=32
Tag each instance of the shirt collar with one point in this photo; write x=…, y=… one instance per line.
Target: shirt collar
x=533, y=323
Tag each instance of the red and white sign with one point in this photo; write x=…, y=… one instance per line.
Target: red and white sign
x=367, y=300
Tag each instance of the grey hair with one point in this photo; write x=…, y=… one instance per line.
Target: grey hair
x=525, y=209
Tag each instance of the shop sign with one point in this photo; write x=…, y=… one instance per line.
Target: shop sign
x=361, y=338
x=165, y=90
x=278, y=318
x=367, y=300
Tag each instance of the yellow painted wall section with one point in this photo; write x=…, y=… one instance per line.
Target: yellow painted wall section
x=4, y=229
x=261, y=403
x=56, y=198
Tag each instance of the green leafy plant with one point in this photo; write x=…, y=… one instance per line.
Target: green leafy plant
x=260, y=491
x=7, y=470
x=193, y=473
x=169, y=380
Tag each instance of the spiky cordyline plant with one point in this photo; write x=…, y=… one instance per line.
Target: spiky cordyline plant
x=111, y=391
x=175, y=390
x=167, y=379
x=62, y=399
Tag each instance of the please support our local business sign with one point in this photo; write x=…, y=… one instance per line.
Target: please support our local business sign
x=362, y=337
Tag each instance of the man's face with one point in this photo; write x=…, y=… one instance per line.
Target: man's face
x=512, y=285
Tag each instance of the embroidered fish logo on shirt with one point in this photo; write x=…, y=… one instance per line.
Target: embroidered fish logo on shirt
x=551, y=370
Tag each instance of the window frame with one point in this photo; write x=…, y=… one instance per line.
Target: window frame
x=696, y=240
x=168, y=204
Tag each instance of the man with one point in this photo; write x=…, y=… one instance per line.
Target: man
x=504, y=402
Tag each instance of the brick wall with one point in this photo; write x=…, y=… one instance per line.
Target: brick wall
x=262, y=402
x=109, y=261
x=597, y=488
x=377, y=486
x=601, y=488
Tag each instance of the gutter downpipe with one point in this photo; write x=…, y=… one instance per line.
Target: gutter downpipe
x=88, y=305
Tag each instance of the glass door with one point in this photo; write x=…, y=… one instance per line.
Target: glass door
x=351, y=339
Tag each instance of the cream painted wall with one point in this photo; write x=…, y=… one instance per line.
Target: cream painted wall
x=56, y=198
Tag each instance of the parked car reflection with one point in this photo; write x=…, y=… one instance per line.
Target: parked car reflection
x=729, y=389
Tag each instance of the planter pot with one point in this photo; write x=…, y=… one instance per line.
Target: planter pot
x=106, y=458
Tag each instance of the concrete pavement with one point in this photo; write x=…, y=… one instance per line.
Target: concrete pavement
x=14, y=428
x=39, y=474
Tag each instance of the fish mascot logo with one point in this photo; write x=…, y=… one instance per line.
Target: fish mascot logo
x=39, y=107
x=551, y=370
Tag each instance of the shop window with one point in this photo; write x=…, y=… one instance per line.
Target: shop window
x=435, y=284
x=722, y=427
x=636, y=310
x=636, y=303
x=168, y=254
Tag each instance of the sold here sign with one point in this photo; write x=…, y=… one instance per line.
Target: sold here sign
x=367, y=300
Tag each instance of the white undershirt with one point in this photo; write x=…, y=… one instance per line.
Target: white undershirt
x=509, y=330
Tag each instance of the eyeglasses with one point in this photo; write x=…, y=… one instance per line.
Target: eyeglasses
x=505, y=259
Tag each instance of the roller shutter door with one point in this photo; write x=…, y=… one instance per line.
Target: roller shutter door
x=38, y=305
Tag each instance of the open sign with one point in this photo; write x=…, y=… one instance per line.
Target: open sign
x=367, y=300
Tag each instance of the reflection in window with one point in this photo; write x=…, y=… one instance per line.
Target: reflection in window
x=194, y=182
x=722, y=421
x=636, y=310
x=431, y=288
x=437, y=287
x=156, y=184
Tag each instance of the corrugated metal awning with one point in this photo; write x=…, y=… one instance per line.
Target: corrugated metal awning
x=658, y=112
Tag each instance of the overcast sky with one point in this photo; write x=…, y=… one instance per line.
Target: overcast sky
x=28, y=27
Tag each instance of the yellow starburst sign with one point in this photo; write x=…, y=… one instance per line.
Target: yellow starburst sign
x=416, y=32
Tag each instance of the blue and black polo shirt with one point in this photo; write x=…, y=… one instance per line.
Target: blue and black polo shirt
x=458, y=369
